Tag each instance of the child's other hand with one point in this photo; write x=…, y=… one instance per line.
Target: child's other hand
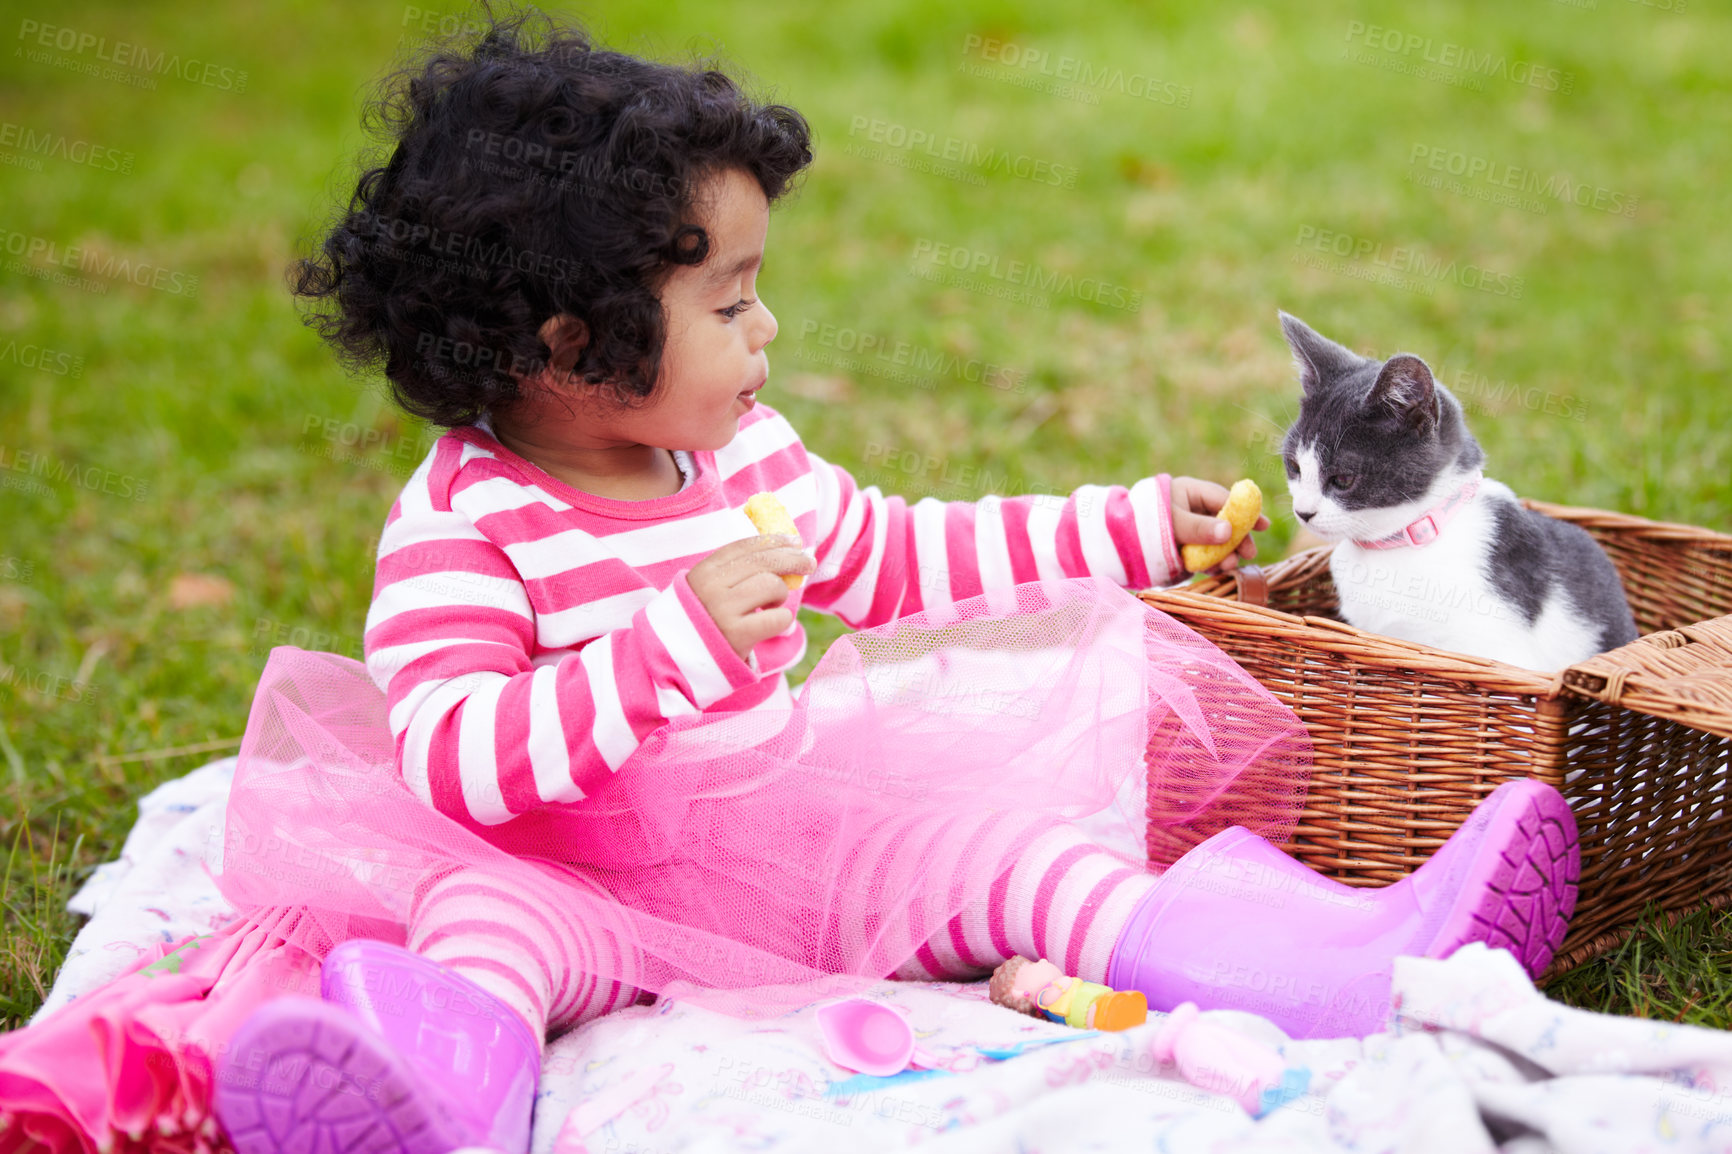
x=742, y=587
x=1195, y=504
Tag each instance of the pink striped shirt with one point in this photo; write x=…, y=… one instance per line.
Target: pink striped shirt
x=529, y=636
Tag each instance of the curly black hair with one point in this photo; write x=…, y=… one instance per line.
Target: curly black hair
x=530, y=174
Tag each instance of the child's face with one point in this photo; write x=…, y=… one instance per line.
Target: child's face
x=717, y=329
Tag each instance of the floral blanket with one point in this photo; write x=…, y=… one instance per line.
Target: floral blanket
x=1474, y=1059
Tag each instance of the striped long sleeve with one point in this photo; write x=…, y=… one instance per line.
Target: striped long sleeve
x=490, y=721
x=529, y=636
x=878, y=559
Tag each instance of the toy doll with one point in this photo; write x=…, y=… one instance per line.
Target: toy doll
x=1041, y=989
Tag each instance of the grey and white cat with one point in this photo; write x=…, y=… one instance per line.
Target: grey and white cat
x=1429, y=549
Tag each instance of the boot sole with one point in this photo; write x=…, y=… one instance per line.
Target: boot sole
x=1520, y=890
x=304, y=1077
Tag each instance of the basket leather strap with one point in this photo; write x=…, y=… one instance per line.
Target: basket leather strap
x=1253, y=587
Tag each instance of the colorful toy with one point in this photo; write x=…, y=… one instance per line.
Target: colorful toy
x=866, y=1036
x=1216, y=1059
x=769, y=515
x=1244, y=504
x=1042, y=990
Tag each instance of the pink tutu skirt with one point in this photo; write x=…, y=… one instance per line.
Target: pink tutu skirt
x=727, y=849
x=726, y=852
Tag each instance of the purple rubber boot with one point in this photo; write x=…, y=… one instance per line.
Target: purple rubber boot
x=1237, y=924
x=401, y=1057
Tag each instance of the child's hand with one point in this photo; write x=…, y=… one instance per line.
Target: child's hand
x=1195, y=504
x=742, y=587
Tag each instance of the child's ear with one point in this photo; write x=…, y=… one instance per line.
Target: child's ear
x=566, y=337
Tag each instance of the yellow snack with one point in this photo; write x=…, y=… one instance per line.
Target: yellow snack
x=769, y=515
x=1244, y=505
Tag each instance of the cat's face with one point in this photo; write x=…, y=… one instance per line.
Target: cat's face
x=1377, y=443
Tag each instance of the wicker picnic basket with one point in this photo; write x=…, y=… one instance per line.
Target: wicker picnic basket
x=1407, y=739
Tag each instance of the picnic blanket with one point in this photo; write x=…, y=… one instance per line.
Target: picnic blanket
x=1475, y=1059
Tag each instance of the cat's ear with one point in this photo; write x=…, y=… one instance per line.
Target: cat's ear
x=1318, y=359
x=1406, y=389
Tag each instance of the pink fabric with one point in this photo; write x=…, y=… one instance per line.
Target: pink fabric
x=524, y=946
x=130, y=1067
x=529, y=950
x=530, y=636
x=732, y=848
x=1065, y=899
x=1044, y=893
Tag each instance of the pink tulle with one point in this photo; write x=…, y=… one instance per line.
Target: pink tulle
x=730, y=842
x=130, y=1067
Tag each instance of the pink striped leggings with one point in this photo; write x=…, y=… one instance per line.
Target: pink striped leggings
x=1066, y=900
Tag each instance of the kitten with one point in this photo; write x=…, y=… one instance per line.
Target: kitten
x=1381, y=461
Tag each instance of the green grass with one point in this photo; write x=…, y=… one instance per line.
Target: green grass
x=205, y=414
x=1672, y=970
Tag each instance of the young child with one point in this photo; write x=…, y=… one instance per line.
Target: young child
x=560, y=264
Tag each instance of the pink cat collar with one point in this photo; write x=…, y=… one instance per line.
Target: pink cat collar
x=1425, y=530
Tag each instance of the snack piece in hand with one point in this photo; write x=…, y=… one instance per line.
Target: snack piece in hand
x=769, y=515
x=1244, y=505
